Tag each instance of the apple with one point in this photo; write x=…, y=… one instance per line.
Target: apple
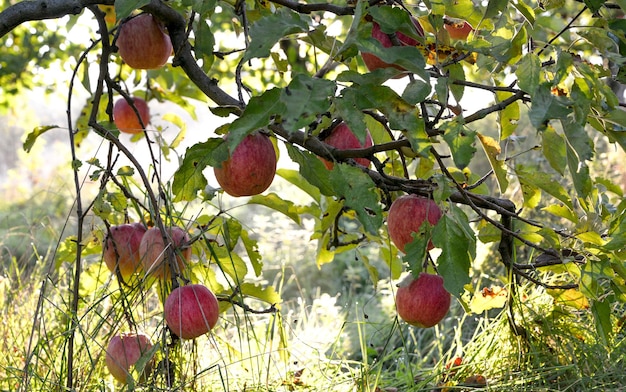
x=373, y=62
x=143, y=43
x=125, y=117
x=457, y=28
x=191, y=311
x=342, y=138
x=422, y=302
x=123, y=351
x=251, y=167
x=121, y=248
x=152, y=251
x=406, y=215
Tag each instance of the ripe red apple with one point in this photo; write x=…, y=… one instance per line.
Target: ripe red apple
x=251, y=167
x=123, y=351
x=153, y=255
x=191, y=311
x=457, y=28
x=422, y=302
x=121, y=248
x=373, y=62
x=143, y=43
x=406, y=215
x=342, y=138
x=126, y=119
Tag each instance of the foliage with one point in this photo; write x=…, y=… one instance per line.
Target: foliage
x=504, y=131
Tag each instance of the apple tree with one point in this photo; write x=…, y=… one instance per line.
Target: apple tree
x=497, y=112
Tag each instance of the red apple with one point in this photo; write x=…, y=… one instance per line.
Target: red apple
x=251, y=167
x=191, y=311
x=373, y=62
x=152, y=251
x=121, y=248
x=143, y=43
x=126, y=119
x=457, y=28
x=422, y=302
x=342, y=138
x=406, y=215
x=124, y=351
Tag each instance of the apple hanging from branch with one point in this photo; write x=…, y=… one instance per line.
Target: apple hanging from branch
x=143, y=43
x=125, y=117
x=191, y=311
x=123, y=352
x=121, y=248
x=250, y=168
x=152, y=251
x=407, y=214
x=342, y=138
x=422, y=302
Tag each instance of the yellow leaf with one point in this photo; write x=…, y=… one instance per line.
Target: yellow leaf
x=489, y=298
x=569, y=297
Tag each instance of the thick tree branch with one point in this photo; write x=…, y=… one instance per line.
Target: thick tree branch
x=26, y=11
x=177, y=29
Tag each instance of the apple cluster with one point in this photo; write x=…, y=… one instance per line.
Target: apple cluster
x=192, y=310
x=189, y=311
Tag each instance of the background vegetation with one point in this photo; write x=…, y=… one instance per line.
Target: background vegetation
x=305, y=313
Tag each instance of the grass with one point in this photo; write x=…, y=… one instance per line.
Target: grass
x=338, y=335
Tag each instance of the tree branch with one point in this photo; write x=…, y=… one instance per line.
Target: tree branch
x=26, y=11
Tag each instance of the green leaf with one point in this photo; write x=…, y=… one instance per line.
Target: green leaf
x=617, y=132
x=258, y=114
x=123, y=8
x=561, y=211
x=188, y=178
x=266, y=294
x=508, y=118
x=358, y=190
x=408, y=57
x=253, y=252
x=527, y=12
x=416, y=91
x=295, y=178
x=230, y=263
x=495, y=7
x=267, y=31
x=417, y=249
x=554, y=148
x=528, y=73
x=546, y=106
x=277, y=203
x=601, y=311
x=533, y=176
x=463, y=9
x=32, y=136
x=394, y=19
x=531, y=194
x=492, y=149
x=204, y=43
x=304, y=99
x=454, y=262
x=461, y=142
x=456, y=73
x=353, y=100
x=312, y=169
